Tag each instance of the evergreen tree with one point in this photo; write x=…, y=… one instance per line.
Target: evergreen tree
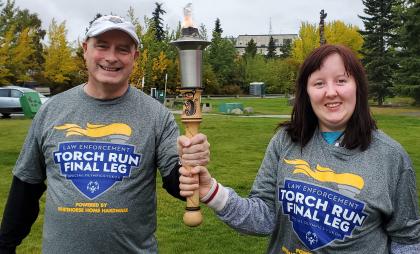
x=158, y=22
x=217, y=27
x=408, y=76
x=271, y=50
x=250, y=49
x=221, y=56
x=379, y=44
x=286, y=49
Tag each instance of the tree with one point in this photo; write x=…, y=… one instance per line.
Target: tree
x=59, y=64
x=286, y=49
x=24, y=19
x=203, y=32
x=271, y=50
x=158, y=22
x=6, y=42
x=20, y=60
x=210, y=83
x=336, y=32
x=250, y=49
x=159, y=67
x=408, y=75
x=217, y=27
x=307, y=41
x=221, y=56
x=379, y=46
x=24, y=54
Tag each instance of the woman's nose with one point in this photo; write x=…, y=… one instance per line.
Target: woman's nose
x=331, y=90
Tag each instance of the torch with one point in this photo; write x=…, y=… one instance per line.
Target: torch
x=190, y=47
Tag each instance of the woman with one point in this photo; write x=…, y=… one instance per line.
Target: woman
x=330, y=181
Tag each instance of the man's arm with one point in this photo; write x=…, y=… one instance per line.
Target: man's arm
x=171, y=182
x=21, y=211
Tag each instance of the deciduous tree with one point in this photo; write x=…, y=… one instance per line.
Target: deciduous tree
x=336, y=32
x=59, y=63
x=23, y=57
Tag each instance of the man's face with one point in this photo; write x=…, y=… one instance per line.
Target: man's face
x=110, y=58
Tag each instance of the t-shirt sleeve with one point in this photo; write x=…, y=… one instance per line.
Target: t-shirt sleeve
x=404, y=225
x=30, y=165
x=166, y=153
x=265, y=183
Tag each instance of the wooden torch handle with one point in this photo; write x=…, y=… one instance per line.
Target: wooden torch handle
x=191, y=118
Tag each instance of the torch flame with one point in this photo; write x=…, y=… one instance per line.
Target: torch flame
x=188, y=22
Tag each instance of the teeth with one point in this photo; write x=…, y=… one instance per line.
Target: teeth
x=109, y=69
x=331, y=105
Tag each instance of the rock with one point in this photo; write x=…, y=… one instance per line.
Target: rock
x=248, y=110
x=236, y=111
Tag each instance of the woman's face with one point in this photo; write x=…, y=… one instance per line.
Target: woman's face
x=332, y=93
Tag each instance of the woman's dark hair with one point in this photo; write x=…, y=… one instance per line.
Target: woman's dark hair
x=304, y=122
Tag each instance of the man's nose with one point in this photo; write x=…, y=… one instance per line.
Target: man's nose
x=111, y=55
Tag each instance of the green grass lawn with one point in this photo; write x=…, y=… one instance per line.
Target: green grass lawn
x=237, y=148
x=267, y=106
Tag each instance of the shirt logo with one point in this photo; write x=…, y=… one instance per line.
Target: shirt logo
x=94, y=167
x=116, y=132
x=320, y=215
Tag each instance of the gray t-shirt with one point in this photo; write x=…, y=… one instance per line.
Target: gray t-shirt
x=99, y=159
x=328, y=199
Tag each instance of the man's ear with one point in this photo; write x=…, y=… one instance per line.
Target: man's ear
x=136, y=54
x=84, y=46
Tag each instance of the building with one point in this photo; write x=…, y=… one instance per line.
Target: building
x=262, y=41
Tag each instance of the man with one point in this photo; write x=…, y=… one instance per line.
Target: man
x=97, y=147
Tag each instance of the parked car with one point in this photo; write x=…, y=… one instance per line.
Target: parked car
x=9, y=99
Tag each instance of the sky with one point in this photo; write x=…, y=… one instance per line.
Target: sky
x=237, y=17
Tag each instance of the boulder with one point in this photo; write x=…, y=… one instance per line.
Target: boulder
x=248, y=110
x=236, y=111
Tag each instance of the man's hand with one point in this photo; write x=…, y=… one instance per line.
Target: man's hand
x=194, y=151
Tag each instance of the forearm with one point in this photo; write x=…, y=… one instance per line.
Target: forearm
x=21, y=211
x=246, y=215
x=171, y=183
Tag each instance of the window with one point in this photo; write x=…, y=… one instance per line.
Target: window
x=16, y=93
x=4, y=92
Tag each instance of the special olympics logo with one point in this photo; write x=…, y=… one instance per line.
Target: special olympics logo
x=311, y=237
x=92, y=186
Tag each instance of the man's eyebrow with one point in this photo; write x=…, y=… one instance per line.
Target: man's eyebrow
x=100, y=41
